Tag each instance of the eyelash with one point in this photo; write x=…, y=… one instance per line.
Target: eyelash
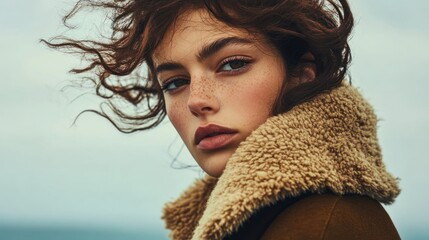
x=229, y=60
x=167, y=84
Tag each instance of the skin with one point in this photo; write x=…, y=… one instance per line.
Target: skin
x=234, y=87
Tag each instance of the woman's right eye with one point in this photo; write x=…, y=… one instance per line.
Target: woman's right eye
x=174, y=84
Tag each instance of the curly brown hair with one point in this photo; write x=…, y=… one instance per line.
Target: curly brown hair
x=294, y=27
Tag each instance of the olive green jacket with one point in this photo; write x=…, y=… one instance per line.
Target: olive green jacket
x=314, y=172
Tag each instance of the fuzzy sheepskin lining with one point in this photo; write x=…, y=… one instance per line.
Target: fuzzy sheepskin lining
x=328, y=143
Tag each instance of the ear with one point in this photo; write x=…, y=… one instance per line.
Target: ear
x=307, y=68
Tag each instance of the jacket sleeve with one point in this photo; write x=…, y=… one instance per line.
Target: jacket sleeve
x=331, y=217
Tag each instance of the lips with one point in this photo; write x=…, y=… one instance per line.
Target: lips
x=213, y=136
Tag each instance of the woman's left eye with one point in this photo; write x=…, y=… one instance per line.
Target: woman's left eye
x=231, y=65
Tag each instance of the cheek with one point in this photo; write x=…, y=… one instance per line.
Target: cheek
x=176, y=114
x=259, y=97
x=251, y=105
x=262, y=92
x=272, y=83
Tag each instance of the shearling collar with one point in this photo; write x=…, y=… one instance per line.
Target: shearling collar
x=326, y=144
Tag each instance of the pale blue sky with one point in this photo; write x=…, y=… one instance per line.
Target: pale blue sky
x=90, y=174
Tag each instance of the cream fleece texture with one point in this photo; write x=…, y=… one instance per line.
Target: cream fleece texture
x=326, y=144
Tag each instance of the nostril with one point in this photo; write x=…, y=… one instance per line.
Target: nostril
x=202, y=102
x=201, y=106
x=206, y=109
x=200, y=110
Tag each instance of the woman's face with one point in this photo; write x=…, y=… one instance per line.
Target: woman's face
x=220, y=84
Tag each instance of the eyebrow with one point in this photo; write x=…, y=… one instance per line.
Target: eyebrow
x=217, y=45
x=205, y=52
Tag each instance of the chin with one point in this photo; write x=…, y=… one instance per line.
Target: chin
x=214, y=163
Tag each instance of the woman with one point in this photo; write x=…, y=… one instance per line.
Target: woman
x=256, y=91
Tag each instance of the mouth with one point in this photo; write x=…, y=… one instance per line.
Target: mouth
x=212, y=136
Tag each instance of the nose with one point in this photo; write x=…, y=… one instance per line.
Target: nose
x=202, y=99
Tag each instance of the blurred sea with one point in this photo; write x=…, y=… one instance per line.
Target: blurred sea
x=75, y=233
x=71, y=233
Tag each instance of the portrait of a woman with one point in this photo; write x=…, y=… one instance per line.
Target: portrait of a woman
x=259, y=92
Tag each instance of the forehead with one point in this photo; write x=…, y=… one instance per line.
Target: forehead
x=193, y=29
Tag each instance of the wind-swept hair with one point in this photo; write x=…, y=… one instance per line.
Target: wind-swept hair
x=294, y=27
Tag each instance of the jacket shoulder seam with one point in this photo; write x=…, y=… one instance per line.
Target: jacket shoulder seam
x=329, y=218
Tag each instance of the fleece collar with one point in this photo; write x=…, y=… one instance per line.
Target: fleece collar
x=326, y=144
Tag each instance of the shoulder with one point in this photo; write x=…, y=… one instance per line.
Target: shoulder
x=329, y=216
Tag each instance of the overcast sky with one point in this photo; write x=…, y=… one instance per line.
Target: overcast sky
x=90, y=174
